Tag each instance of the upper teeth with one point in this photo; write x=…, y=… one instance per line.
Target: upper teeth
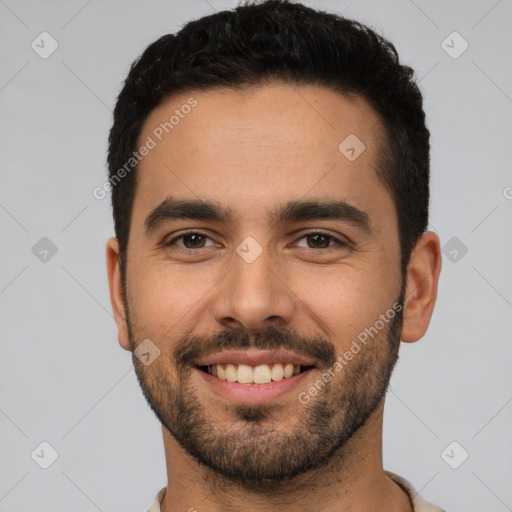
x=260, y=374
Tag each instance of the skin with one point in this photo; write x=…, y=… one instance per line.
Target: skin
x=254, y=150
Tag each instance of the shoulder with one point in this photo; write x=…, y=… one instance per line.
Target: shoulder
x=155, y=507
x=419, y=504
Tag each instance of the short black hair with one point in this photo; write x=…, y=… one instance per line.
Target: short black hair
x=276, y=40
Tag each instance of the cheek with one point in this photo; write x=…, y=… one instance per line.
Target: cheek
x=165, y=296
x=346, y=300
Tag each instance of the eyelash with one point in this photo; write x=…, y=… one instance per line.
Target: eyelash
x=309, y=233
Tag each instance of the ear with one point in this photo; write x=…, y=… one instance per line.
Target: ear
x=116, y=292
x=421, y=291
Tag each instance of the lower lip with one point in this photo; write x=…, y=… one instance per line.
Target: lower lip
x=254, y=393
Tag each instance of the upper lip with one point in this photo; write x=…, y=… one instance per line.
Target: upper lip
x=253, y=358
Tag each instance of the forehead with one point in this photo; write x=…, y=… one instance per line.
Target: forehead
x=259, y=145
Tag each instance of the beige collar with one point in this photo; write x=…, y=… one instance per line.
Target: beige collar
x=419, y=504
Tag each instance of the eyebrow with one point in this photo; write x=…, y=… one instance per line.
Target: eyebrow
x=293, y=211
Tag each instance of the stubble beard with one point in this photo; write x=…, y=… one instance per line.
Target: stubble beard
x=257, y=449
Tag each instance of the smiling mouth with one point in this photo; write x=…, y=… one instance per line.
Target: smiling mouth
x=257, y=374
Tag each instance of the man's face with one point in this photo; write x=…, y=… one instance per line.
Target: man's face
x=256, y=282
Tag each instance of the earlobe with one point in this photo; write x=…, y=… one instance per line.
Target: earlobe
x=421, y=292
x=116, y=292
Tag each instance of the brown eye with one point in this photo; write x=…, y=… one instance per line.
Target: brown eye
x=195, y=239
x=320, y=240
x=190, y=241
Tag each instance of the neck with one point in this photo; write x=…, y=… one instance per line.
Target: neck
x=353, y=480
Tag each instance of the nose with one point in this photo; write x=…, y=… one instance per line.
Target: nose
x=255, y=294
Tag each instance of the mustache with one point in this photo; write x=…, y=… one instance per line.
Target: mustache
x=194, y=347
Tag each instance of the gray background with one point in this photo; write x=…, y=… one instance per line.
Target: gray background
x=63, y=377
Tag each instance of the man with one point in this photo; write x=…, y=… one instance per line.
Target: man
x=270, y=183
